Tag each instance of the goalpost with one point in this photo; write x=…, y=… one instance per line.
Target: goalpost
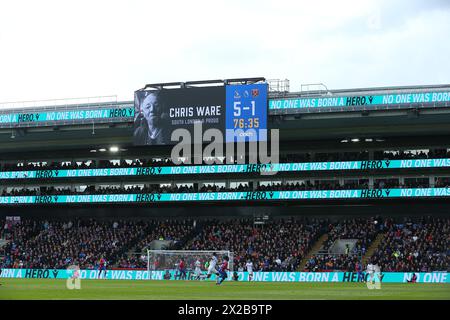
x=168, y=260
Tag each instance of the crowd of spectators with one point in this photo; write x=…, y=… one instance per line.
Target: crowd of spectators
x=192, y=188
x=420, y=154
x=343, y=156
x=330, y=262
x=164, y=161
x=176, y=232
x=396, y=183
x=58, y=244
x=363, y=230
x=415, y=246
x=317, y=185
x=133, y=189
x=84, y=164
x=442, y=182
x=278, y=245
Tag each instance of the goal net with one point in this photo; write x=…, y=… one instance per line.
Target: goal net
x=164, y=264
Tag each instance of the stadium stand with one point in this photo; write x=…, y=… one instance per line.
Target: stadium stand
x=278, y=245
x=362, y=230
x=317, y=231
x=58, y=244
x=419, y=244
x=161, y=161
x=190, y=188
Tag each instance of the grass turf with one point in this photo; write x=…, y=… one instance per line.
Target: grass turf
x=48, y=289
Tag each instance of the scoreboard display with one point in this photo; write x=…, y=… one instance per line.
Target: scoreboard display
x=246, y=112
x=239, y=112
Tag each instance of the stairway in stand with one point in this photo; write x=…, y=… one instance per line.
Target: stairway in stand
x=314, y=250
x=373, y=247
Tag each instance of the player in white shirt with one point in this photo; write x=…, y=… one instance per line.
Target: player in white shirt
x=212, y=266
x=249, y=266
x=198, y=271
x=370, y=271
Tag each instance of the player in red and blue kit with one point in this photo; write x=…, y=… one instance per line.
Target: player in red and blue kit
x=359, y=269
x=223, y=270
x=182, y=269
x=102, y=267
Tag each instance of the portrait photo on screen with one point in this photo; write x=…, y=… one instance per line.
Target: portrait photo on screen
x=159, y=112
x=150, y=120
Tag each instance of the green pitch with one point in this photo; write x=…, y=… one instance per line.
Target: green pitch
x=45, y=289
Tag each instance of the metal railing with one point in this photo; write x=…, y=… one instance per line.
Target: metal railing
x=65, y=108
x=57, y=103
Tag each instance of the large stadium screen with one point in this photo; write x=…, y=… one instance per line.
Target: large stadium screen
x=237, y=111
x=246, y=110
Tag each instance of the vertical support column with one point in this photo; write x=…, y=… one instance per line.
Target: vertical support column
x=401, y=181
x=432, y=181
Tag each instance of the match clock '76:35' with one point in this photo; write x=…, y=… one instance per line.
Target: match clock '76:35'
x=246, y=112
